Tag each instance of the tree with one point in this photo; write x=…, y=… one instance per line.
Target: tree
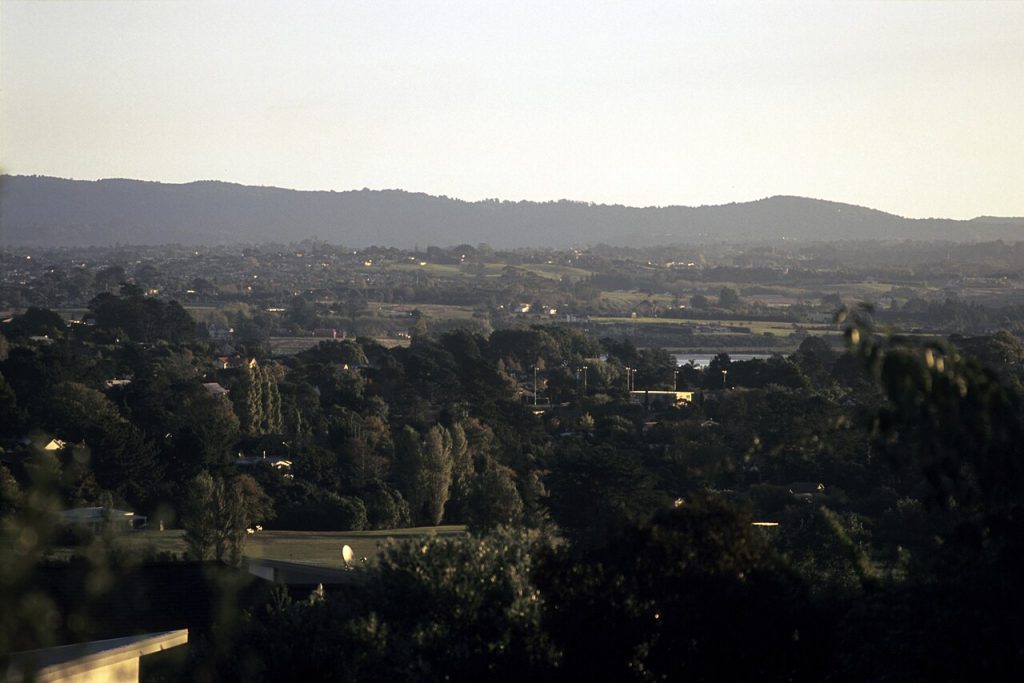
x=716, y=375
x=596, y=489
x=250, y=407
x=121, y=457
x=10, y=416
x=199, y=517
x=424, y=472
x=438, y=608
x=142, y=319
x=385, y=507
x=953, y=432
x=728, y=298
x=494, y=500
x=699, y=301
x=37, y=321
x=655, y=369
x=219, y=511
x=10, y=492
x=658, y=602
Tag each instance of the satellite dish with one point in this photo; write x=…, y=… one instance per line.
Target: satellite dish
x=347, y=554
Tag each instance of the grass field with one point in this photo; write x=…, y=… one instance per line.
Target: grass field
x=321, y=548
x=289, y=346
x=777, y=328
x=431, y=311
x=551, y=271
x=554, y=271
x=622, y=299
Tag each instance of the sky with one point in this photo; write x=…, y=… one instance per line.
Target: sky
x=916, y=108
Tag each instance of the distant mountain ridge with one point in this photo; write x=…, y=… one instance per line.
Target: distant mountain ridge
x=46, y=211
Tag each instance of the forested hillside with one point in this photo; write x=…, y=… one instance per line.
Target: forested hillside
x=46, y=211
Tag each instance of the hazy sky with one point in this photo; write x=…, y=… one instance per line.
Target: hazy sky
x=914, y=108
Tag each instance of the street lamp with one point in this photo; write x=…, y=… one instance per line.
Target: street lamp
x=724, y=373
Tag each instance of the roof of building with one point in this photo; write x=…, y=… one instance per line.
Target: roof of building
x=215, y=388
x=273, y=460
x=69, y=661
x=798, y=487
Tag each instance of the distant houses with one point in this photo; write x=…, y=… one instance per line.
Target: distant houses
x=234, y=362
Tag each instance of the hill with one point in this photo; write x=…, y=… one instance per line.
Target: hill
x=44, y=211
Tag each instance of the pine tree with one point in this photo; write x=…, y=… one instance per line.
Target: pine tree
x=436, y=474
x=423, y=472
x=252, y=410
x=271, y=396
x=199, y=518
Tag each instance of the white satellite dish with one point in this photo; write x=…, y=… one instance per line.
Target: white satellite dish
x=347, y=554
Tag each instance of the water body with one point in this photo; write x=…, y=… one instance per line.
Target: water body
x=702, y=360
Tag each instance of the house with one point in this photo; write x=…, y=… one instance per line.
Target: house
x=650, y=397
x=215, y=389
x=219, y=332
x=116, y=659
x=806, y=490
x=235, y=361
x=282, y=465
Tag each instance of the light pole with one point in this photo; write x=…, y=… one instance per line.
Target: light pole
x=534, y=385
x=584, y=380
x=724, y=373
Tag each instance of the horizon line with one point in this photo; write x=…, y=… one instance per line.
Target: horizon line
x=501, y=200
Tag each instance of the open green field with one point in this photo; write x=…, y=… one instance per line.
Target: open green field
x=449, y=270
x=289, y=346
x=621, y=298
x=321, y=548
x=551, y=271
x=431, y=311
x=554, y=271
x=432, y=269
x=777, y=328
